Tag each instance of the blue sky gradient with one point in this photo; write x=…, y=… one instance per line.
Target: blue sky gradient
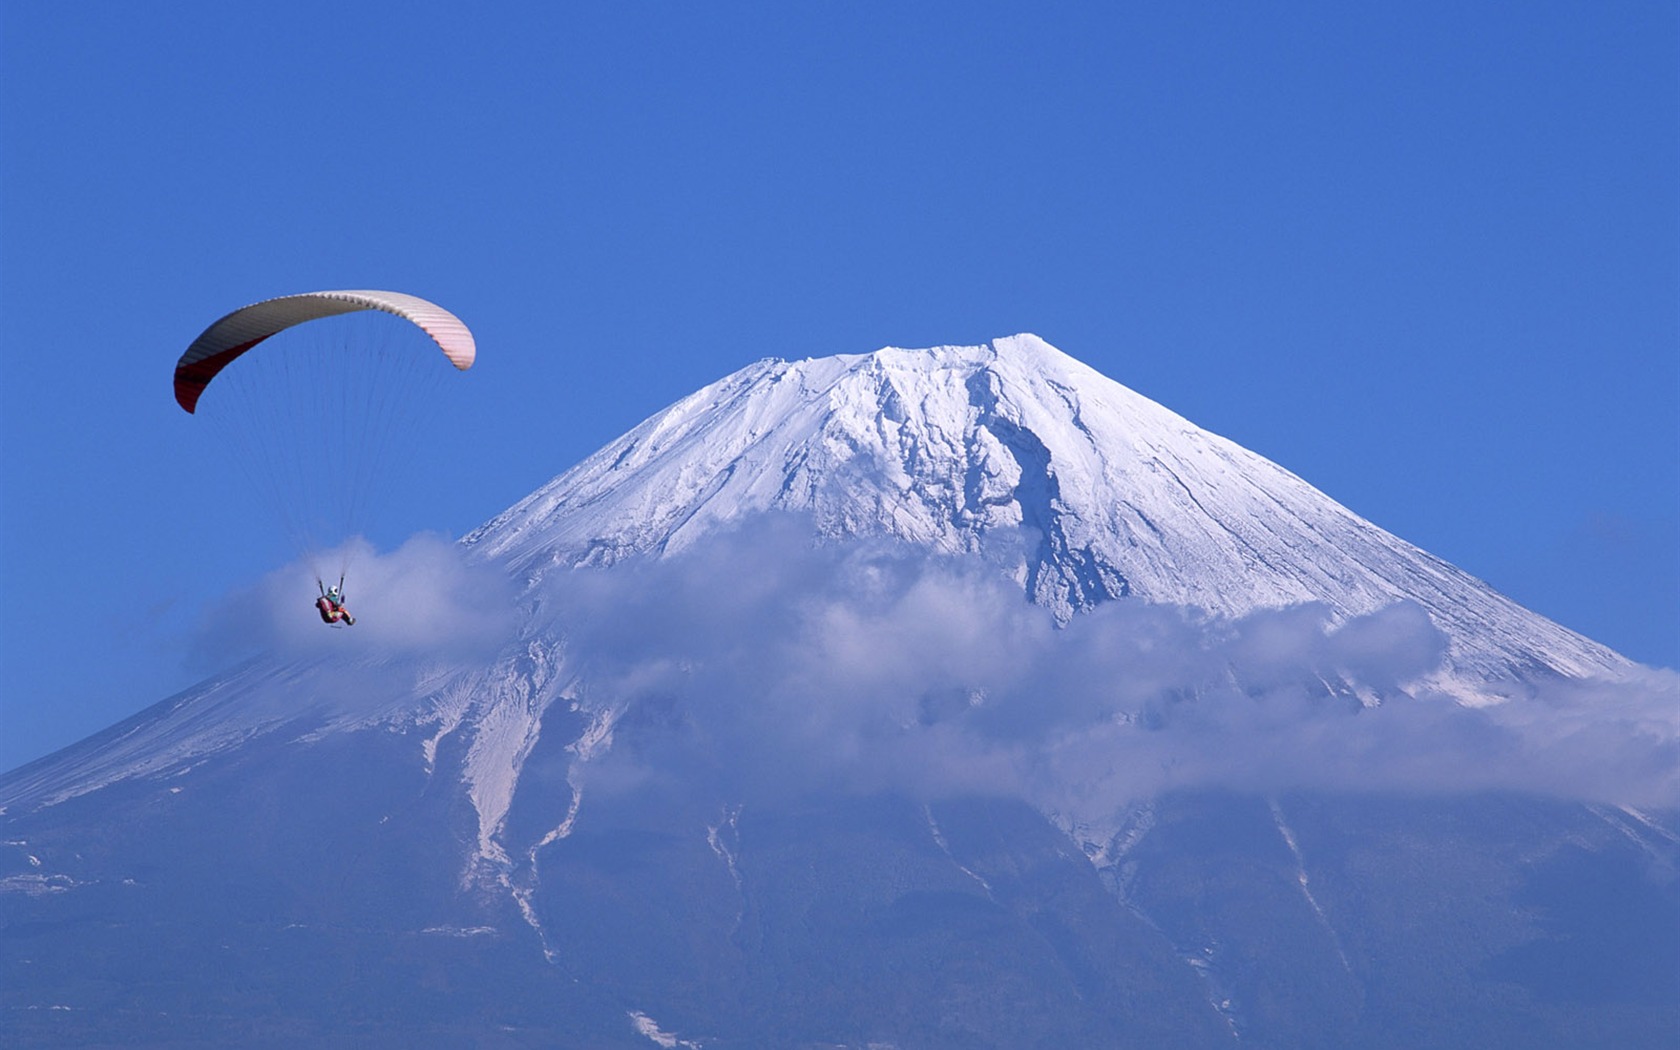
x=1426, y=256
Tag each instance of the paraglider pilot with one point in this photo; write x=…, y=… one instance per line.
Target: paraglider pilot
x=331, y=605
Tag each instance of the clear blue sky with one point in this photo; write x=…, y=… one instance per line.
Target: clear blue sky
x=1425, y=255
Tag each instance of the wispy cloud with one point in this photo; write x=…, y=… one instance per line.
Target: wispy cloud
x=766, y=665
x=776, y=666
x=425, y=598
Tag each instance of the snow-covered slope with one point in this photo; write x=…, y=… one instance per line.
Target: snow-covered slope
x=1104, y=494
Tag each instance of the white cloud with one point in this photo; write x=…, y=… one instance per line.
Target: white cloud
x=423, y=598
x=777, y=666
x=764, y=665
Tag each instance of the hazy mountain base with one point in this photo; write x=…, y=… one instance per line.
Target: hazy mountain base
x=332, y=910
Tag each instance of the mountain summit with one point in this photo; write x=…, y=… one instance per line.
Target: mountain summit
x=1101, y=493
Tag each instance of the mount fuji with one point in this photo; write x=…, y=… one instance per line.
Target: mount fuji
x=943, y=448
x=920, y=698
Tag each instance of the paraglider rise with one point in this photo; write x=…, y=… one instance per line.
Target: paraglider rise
x=319, y=418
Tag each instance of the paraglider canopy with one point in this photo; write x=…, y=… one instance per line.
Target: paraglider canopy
x=233, y=335
x=324, y=416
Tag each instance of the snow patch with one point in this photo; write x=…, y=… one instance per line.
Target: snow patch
x=36, y=885
x=451, y=707
x=945, y=848
x=597, y=738
x=714, y=839
x=516, y=692
x=1629, y=823
x=1203, y=963
x=1105, y=844
x=647, y=1027
x=461, y=931
x=1301, y=879
x=725, y=839
x=1651, y=825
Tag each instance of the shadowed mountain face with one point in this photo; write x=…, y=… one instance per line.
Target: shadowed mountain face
x=836, y=781
x=281, y=897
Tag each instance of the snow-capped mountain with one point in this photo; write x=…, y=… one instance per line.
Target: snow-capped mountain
x=1080, y=489
x=552, y=832
x=1104, y=494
